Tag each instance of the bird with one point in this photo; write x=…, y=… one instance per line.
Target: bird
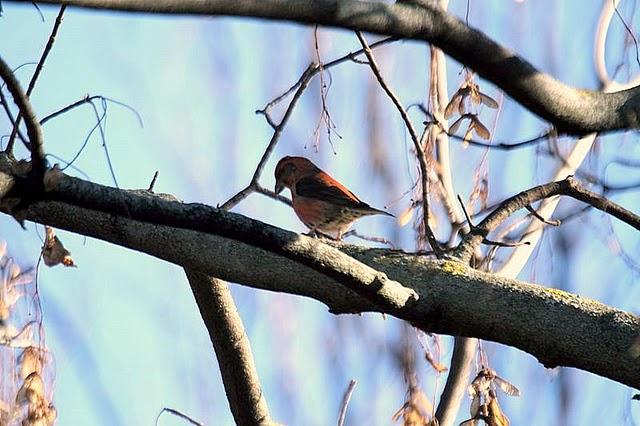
x=322, y=203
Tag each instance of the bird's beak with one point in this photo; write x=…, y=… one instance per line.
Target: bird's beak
x=279, y=187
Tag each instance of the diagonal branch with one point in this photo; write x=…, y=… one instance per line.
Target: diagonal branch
x=36, y=74
x=569, y=187
x=570, y=110
x=422, y=159
x=34, y=132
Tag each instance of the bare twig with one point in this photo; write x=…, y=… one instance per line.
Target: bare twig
x=177, y=414
x=504, y=146
x=382, y=240
x=89, y=99
x=345, y=401
x=535, y=214
x=34, y=132
x=153, y=181
x=505, y=243
x=302, y=84
x=422, y=161
x=35, y=76
x=464, y=210
x=348, y=57
x=12, y=121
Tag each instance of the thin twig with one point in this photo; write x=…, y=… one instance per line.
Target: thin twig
x=350, y=56
x=177, y=414
x=277, y=132
x=464, y=210
x=505, y=243
x=34, y=132
x=381, y=240
x=422, y=161
x=12, y=121
x=90, y=99
x=345, y=401
x=535, y=214
x=36, y=74
x=103, y=137
x=153, y=181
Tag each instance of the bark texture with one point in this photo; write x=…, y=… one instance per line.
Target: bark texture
x=558, y=328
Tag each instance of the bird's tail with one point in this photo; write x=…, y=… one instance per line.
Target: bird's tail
x=377, y=211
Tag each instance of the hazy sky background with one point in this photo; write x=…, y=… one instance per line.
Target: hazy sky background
x=123, y=327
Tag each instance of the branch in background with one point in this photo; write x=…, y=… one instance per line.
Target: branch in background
x=570, y=110
x=32, y=85
x=232, y=349
x=345, y=401
x=569, y=187
x=422, y=160
x=452, y=298
x=464, y=348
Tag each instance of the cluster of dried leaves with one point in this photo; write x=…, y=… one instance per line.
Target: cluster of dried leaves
x=23, y=357
x=53, y=252
x=464, y=101
x=417, y=410
x=484, y=399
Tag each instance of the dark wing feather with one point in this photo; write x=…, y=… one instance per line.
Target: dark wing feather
x=323, y=187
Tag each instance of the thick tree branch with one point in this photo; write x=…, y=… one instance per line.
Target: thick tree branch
x=232, y=349
x=559, y=328
x=569, y=109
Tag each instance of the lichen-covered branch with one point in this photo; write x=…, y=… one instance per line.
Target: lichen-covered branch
x=559, y=328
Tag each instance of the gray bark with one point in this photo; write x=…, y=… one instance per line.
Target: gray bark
x=558, y=328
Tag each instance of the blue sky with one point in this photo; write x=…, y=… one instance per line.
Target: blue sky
x=123, y=326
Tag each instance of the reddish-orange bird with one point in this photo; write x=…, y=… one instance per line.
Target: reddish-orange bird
x=322, y=203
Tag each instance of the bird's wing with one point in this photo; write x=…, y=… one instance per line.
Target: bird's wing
x=321, y=186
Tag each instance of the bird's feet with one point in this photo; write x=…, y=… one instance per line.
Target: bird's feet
x=317, y=234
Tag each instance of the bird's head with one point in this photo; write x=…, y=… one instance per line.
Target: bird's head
x=289, y=170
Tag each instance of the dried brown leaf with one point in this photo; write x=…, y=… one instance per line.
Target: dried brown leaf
x=32, y=390
x=488, y=101
x=456, y=124
x=30, y=361
x=453, y=104
x=480, y=129
x=506, y=387
x=496, y=417
x=53, y=252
